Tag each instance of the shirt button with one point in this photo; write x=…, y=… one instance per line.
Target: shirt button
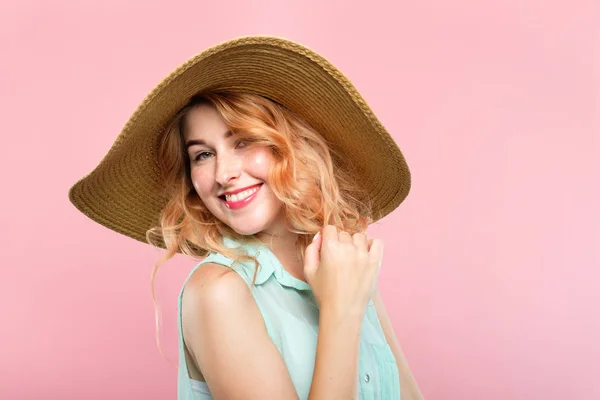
x=367, y=378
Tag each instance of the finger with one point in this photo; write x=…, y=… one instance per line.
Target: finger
x=317, y=240
x=345, y=237
x=330, y=234
x=312, y=256
x=360, y=241
x=376, y=252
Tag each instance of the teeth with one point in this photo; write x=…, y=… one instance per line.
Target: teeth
x=240, y=196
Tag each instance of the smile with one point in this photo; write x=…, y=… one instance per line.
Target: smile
x=242, y=199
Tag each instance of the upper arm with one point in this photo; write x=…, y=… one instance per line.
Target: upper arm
x=226, y=335
x=408, y=385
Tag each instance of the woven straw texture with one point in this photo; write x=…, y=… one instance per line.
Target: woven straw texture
x=123, y=192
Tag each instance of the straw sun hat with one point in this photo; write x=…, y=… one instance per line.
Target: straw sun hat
x=123, y=192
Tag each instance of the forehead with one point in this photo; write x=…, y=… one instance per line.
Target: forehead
x=204, y=122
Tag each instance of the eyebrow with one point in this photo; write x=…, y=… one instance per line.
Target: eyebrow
x=201, y=142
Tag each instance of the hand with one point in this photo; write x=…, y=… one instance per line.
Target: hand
x=342, y=270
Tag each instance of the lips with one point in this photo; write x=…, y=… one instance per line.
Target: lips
x=239, y=190
x=234, y=205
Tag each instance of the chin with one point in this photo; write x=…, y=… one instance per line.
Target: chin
x=249, y=227
x=266, y=217
x=246, y=231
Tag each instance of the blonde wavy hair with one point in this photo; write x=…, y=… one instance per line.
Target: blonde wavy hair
x=314, y=183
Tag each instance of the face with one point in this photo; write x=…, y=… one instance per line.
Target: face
x=221, y=163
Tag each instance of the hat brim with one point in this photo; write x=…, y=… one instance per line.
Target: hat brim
x=123, y=191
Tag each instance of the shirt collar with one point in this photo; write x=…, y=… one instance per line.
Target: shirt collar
x=268, y=265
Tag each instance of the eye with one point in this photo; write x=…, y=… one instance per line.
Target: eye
x=200, y=156
x=241, y=143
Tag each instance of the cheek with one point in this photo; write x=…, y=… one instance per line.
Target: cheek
x=261, y=161
x=200, y=182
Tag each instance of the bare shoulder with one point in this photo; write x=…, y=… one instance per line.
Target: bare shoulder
x=212, y=291
x=212, y=283
x=224, y=331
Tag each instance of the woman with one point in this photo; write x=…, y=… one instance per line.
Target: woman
x=260, y=158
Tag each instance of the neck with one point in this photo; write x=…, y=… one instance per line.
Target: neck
x=283, y=245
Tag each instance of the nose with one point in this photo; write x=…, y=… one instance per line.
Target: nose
x=228, y=169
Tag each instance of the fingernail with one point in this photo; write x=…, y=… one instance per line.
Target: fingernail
x=316, y=236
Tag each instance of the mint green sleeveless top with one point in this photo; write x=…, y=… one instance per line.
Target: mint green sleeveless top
x=291, y=316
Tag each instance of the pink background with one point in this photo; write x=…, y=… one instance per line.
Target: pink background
x=491, y=266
